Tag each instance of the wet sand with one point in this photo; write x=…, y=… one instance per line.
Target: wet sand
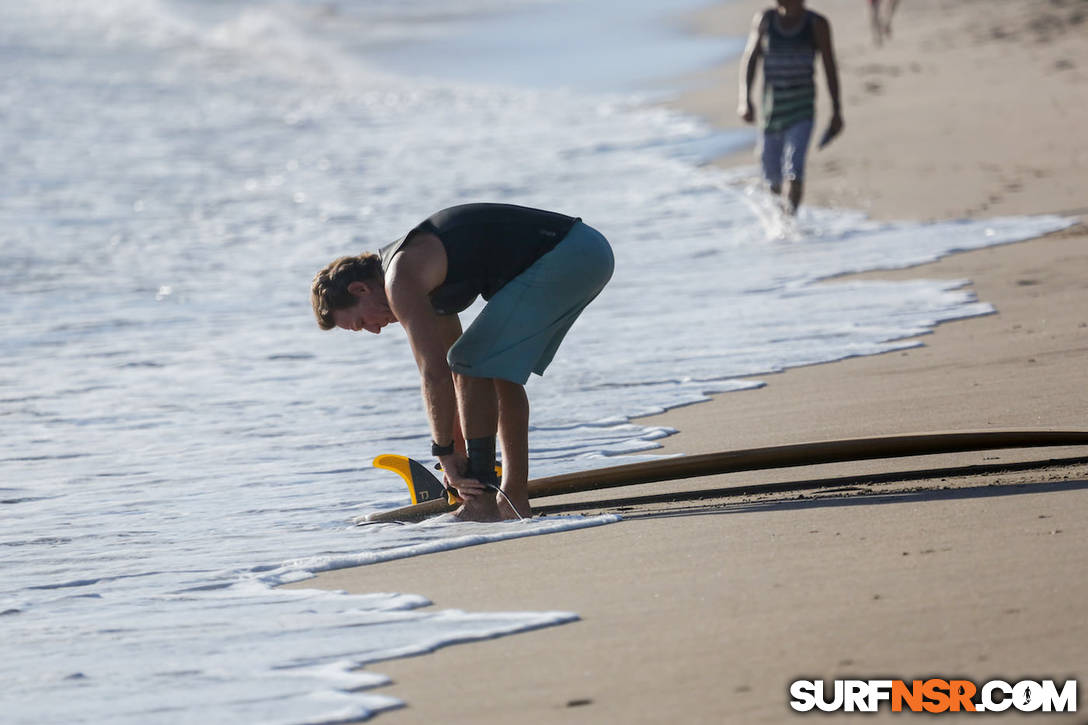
x=703, y=608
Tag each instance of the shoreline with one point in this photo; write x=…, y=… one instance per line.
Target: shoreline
x=704, y=609
x=1009, y=332
x=842, y=170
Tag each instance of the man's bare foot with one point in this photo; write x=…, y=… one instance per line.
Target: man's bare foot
x=480, y=508
x=523, y=511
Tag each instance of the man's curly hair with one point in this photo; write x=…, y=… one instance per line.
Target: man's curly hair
x=329, y=291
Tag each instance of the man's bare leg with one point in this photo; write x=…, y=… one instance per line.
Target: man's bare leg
x=790, y=199
x=478, y=396
x=795, y=192
x=513, y=429
x=888, y=17
x=479, y=408
x=875, y=22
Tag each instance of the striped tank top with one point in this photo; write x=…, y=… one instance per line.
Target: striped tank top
x=789, y=89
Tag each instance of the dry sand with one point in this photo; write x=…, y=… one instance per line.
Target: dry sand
x=702, y=609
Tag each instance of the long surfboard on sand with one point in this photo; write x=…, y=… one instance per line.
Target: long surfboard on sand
x=706, y=464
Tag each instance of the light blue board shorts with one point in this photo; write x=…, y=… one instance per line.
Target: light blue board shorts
x=783, y=153
x=521, y=326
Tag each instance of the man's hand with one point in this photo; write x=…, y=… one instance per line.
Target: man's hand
x=834, y=128
x=453, y=467
x=746, y=111
x=836, y=124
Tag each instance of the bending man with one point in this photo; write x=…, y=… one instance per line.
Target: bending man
x=536, y=269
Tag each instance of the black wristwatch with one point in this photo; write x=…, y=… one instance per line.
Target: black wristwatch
x=437, y=450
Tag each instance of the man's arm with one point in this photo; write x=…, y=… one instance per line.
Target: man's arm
x=415, y=272
x=451, y=332
x=753, y=51
x=822, y=32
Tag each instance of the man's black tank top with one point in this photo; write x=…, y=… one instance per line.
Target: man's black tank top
x=487, y=245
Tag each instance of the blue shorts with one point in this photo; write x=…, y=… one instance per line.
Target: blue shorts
x=783, y=153
x=521, y=326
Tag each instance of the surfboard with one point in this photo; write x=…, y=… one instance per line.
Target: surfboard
x=784, y=456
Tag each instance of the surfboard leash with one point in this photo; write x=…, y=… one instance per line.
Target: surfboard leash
x=508, y=501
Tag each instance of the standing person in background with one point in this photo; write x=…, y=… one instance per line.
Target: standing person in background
x=882, y=26
x=786, y=38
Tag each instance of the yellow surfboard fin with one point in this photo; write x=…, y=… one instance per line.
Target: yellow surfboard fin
x=422, y=484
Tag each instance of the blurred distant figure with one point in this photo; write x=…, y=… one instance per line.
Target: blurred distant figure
x=787, y=38
x=882, y=24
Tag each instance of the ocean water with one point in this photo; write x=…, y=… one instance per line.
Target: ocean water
x=177, y=436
